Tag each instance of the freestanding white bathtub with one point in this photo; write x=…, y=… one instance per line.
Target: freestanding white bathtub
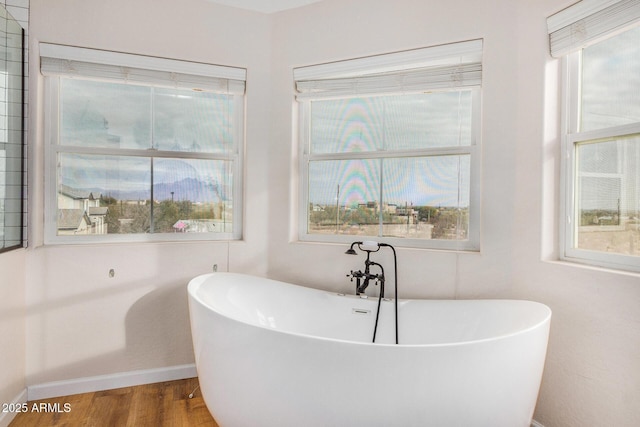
x=270, y=353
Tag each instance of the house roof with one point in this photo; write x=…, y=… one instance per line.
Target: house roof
x=98, y=210
x=71, y=218
x=75, y=193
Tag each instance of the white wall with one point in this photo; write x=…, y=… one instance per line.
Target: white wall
x=12, y=328
x=592, y=373
x=593, y=366
x=12, y=294
x=334, y=30
x=81, y=322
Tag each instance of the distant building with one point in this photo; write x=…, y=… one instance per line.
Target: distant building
x=196, y=226
x=79, y=212
x=73, y=221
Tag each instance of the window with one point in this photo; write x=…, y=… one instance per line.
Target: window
x=601, y=169
x=11, y=133
x=141, y=148
x=389, y=147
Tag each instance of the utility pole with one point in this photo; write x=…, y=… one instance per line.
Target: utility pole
x=338, y=209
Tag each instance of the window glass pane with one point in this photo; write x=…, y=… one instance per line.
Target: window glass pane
x=344, y=197
x=401, y=122
x=102, y=114
x=10, y=194
x=422, y=198
x=192, y=196
x=428, y=120
x=600, y=157
x=346, y=125
x=138, y=158
x=11, y=143
x=112, y=195
x=186, y=120
x=607, y=196
x=610, y=83
x=426, y=197
x=100, y=194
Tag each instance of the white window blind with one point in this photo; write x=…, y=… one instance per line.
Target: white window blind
x=115, y=66
x=588, y=21
x=451, y=66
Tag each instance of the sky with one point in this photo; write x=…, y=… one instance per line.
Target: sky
x=611, y=82
x=391, y=123
x=610, y=169
x=116, y=116
x=94, y=113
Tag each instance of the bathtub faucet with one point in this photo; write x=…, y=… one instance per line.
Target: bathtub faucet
x=368, y=247
x=364, y=278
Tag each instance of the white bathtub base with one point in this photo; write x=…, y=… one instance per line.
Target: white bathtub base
x=254, y=374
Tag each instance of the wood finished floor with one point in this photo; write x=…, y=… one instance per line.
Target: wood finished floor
x=160, y=404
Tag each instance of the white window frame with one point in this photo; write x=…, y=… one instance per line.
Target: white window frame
x=371, y=66
x=211, y=76
x=571, y=136
x=570, y=30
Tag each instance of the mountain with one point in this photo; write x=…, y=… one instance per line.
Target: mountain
x=190, y=189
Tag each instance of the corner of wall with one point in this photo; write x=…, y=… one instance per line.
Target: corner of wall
x=12, y=329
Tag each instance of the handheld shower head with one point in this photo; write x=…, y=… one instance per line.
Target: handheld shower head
x=367, y=246
x=351, y=250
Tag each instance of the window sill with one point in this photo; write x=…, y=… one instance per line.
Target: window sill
x=583, y=265
x=400, y=244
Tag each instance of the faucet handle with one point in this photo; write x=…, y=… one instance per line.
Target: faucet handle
x=355, y=274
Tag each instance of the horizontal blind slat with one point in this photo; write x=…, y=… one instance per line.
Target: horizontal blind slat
x=589, y=21
x=67, y=61
x=468, y=75
x=450, y=66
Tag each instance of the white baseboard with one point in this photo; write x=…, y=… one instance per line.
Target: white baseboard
x=108, y=382
x=7, y=417
x=534, y=423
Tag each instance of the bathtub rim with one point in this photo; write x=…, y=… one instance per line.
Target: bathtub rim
x=199, y=280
